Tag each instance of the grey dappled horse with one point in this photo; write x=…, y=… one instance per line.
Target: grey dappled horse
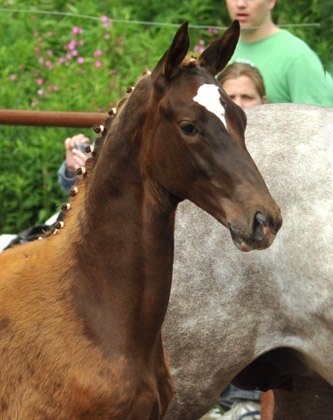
x=263, y=317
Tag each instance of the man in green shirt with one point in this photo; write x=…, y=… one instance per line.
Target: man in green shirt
x=292, y=72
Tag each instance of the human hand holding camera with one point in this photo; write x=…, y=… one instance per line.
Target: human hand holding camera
x=75, y=154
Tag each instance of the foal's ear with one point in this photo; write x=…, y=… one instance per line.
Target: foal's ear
x=216, y=56
x=169, y=64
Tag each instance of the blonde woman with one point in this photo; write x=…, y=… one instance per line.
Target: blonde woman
x=244, y=84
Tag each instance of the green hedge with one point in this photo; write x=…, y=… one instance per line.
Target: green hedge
x=36, y=74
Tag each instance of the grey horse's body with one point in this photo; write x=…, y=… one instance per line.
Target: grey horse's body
x=228, y=309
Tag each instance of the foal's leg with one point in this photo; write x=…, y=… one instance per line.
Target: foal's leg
x=310, y=399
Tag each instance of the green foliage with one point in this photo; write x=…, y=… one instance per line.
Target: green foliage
x=305, y=12
x=78, y=63
x=30, y=159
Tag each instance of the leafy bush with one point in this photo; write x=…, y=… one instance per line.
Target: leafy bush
x=85, y=63
x=60, y=63
x=30, y=158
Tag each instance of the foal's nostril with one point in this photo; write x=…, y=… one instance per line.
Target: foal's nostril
x=260, y=218
x=276, y=227
x=259, y=222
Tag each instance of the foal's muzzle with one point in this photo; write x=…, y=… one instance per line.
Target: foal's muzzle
x=262, y=233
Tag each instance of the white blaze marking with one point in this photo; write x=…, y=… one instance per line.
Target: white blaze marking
x=209, y=97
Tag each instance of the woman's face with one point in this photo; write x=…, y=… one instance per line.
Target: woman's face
x=243, y=92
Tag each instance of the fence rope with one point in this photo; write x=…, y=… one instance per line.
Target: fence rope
x=141, y=22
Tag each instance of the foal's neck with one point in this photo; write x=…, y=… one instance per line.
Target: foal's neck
x=125, y=252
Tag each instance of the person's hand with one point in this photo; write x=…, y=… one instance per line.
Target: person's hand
x=75, y=158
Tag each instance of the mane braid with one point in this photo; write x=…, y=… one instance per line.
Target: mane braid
x=90, y=164
x=104, y=131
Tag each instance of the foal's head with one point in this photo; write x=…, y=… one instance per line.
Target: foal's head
x=192, y=142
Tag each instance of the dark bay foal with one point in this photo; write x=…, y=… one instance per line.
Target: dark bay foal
x=81, y=310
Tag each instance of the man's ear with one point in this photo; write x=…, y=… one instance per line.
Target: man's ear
x=272, y=4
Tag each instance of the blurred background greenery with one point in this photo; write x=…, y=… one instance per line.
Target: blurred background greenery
x=83, y=62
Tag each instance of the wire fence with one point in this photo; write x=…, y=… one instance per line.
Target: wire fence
x=140, y=22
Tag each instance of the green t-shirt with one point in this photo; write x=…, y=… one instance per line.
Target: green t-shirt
x=292, y=72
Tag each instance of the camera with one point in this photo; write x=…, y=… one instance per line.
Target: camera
x=82, y=147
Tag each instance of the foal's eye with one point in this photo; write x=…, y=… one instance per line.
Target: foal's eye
x=188, y=129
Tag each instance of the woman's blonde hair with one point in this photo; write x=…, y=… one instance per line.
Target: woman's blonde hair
x=235, y=70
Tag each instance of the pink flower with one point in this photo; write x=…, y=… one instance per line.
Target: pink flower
x=74, y=53
x=80, y=60
x=69, y=55
x=98, y=53
x=106, y=21
x=76, y=30
x=199, y=49
x=61, y=60
x=212, y=30
x=12, y=77
x=49, y=64
x=40, y=92
x=71, y=45
x=41, y=60
x=49, y=52
x=106, y=36
x=98, y=63
x=40, y=81
x=81, y=42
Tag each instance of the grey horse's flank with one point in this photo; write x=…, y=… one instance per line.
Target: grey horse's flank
x=270, y=312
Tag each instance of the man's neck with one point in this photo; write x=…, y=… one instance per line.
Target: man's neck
x=253, y=35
